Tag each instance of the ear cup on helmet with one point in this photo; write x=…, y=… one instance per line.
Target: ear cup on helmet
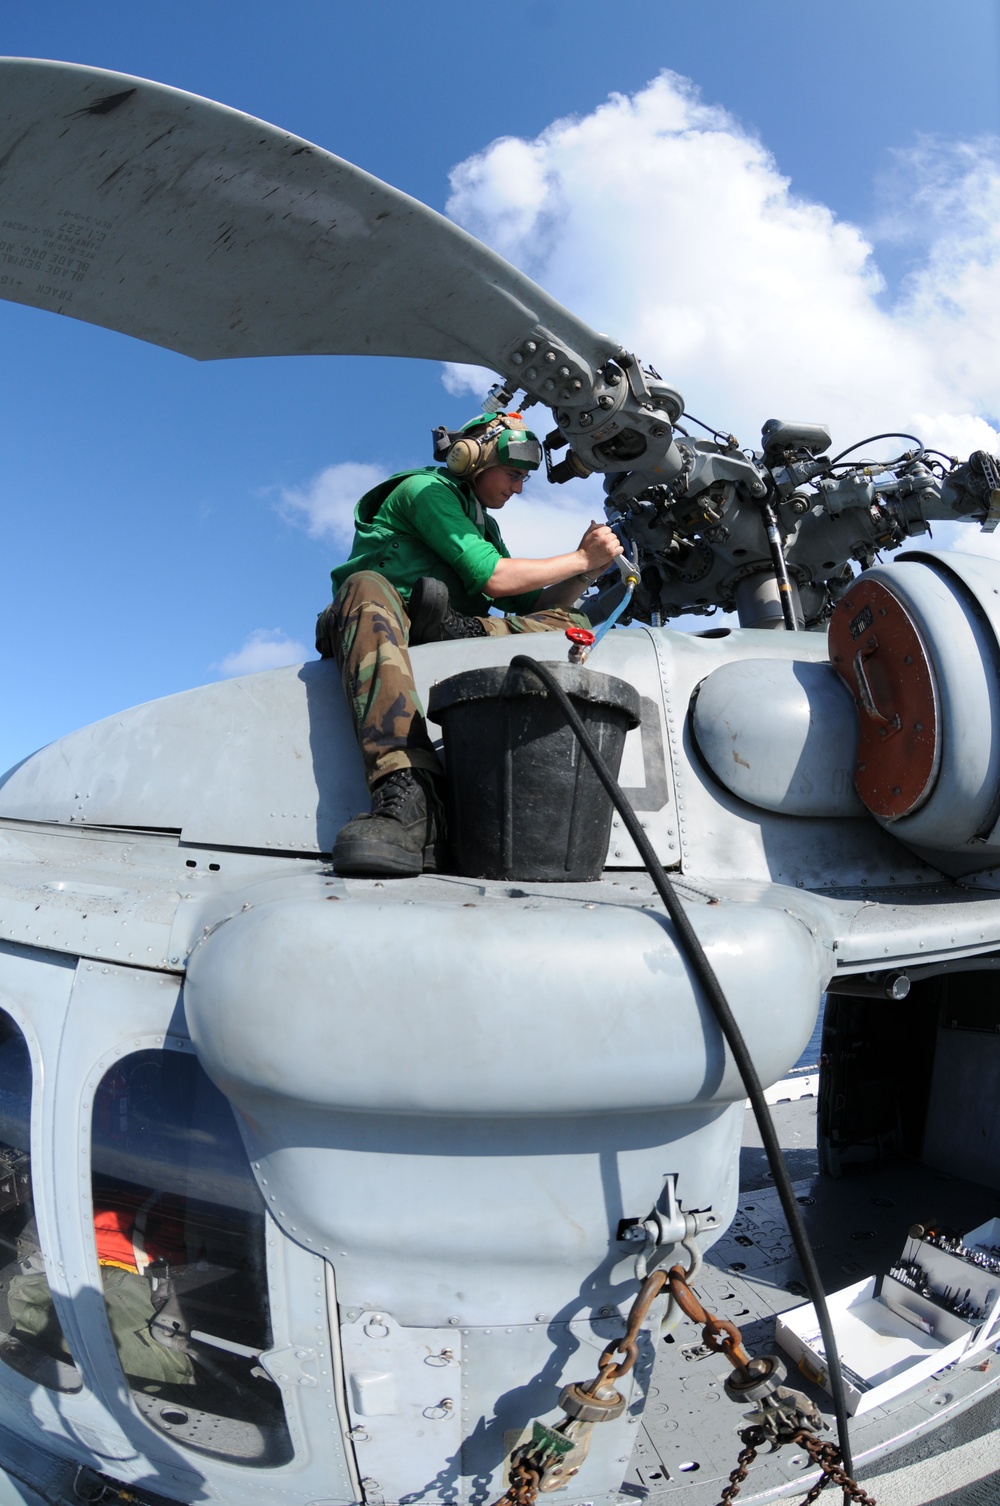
x=464, y=457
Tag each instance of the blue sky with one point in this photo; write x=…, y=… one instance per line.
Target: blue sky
x=161, y=515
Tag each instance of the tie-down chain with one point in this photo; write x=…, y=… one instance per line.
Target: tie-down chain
x=555, y=1454
x=782, y=1415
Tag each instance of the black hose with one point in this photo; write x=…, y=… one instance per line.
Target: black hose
x=893, y=434
x=778, y=565
x=715, y=433
x=705, y=973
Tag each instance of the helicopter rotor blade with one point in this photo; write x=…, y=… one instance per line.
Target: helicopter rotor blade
x=179, y=221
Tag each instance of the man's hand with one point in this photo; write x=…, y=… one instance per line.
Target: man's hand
x=561, y=576
x=599, y=546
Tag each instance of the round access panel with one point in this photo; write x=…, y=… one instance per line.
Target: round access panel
x=878, y=652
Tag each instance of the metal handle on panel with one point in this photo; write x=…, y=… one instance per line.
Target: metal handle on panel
x=865, y=695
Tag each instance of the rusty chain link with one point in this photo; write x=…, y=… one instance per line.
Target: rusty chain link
x=826, y=1455
x=523, y=1488
x=752, y=1439
x=721, y=1336
x=647, y=1294
x=528, y=1462
x=724, y=1337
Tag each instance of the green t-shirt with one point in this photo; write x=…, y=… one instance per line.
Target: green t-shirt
x=427, y=522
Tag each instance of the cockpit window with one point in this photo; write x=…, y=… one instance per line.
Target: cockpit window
x=179, y=1230
x=31, y=1340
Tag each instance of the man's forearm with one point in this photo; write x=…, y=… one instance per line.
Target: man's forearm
x=563, y=572
x=562, y=595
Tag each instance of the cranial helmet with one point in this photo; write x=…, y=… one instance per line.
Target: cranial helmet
x=486, y=440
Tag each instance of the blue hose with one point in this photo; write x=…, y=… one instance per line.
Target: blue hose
x=609, y=622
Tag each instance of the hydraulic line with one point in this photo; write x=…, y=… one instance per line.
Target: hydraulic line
x=609, y=622
x=777, y=551
x=894, y=434
x=732, y=1034
x=630, y=576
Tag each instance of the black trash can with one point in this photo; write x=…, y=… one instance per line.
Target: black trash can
x=524, y=802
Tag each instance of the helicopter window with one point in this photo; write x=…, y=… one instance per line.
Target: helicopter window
x=179, y=1228
x=31, y=1340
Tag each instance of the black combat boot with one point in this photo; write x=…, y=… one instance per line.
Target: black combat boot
x=401, y=836
x=432, y=619
x=324, y=627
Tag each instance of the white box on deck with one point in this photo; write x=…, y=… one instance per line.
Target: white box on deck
x=882, y=1353
x=946, y=1271
x=985, y=1237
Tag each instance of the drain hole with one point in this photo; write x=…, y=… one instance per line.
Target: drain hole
x=173, y=1415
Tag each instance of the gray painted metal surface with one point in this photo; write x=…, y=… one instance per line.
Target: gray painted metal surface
x=781, y=735
x=959, y=625
x=265, y=761
x=396, y=1104
x=449, y=1092
x=274, y=247
x=210, y=764
x=269, y=762
x=721, y=836
x=79, y=1020
x=688, y=1439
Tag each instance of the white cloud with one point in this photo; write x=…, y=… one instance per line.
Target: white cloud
x=265, y=648
x=461, y=380
x=968, y=538
x=663, y=221
x=324, y=507
x=546, y=520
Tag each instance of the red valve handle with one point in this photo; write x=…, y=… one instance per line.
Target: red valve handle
x=583, y=636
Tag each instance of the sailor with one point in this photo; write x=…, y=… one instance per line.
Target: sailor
x=428, y=563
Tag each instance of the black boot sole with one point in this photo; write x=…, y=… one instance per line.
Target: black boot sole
x=358, y=859
x=361, y=859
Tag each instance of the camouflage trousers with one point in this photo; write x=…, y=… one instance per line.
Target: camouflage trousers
x=367, y=631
